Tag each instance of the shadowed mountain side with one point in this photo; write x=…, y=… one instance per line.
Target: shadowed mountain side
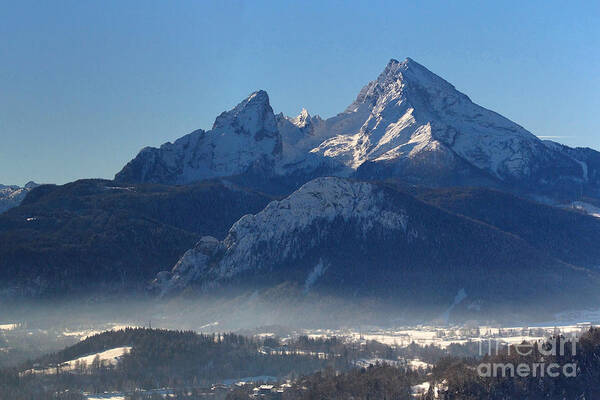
x=564, y=234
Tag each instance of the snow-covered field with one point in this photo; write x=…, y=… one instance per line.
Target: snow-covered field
x=107, y=357
x=445, y=336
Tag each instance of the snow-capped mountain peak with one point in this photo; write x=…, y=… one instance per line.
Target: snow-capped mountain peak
x=410, y=120
x=408, y=123
x=302, y=119
x=253, y=116
x=243, y=139
x=393, y=82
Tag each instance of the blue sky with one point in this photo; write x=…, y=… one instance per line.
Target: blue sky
x=85, y=84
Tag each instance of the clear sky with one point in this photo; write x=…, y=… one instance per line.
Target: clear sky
x=84, y=85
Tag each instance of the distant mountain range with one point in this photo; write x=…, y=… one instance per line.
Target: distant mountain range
x=413, y=195
x=12, y=196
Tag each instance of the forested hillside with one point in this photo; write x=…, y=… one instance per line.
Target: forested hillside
x=95, y=233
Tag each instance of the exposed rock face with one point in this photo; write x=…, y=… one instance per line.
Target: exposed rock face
x=270, y=237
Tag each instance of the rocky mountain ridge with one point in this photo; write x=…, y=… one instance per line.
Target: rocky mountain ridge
x=408, y=124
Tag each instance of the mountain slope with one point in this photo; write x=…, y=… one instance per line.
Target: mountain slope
x=566, y=235
x=94, y=235
x=359, y=239
x=589, y=161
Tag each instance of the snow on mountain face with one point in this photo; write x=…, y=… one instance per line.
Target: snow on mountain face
x=408, y=123
x=299, y=135
x=409, y=112
x=241, y=139
x=269, y=238
x=12, y=196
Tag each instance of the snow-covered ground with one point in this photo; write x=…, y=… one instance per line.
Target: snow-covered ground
x=110, y=356
x=445, y=336
x=107, y=357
